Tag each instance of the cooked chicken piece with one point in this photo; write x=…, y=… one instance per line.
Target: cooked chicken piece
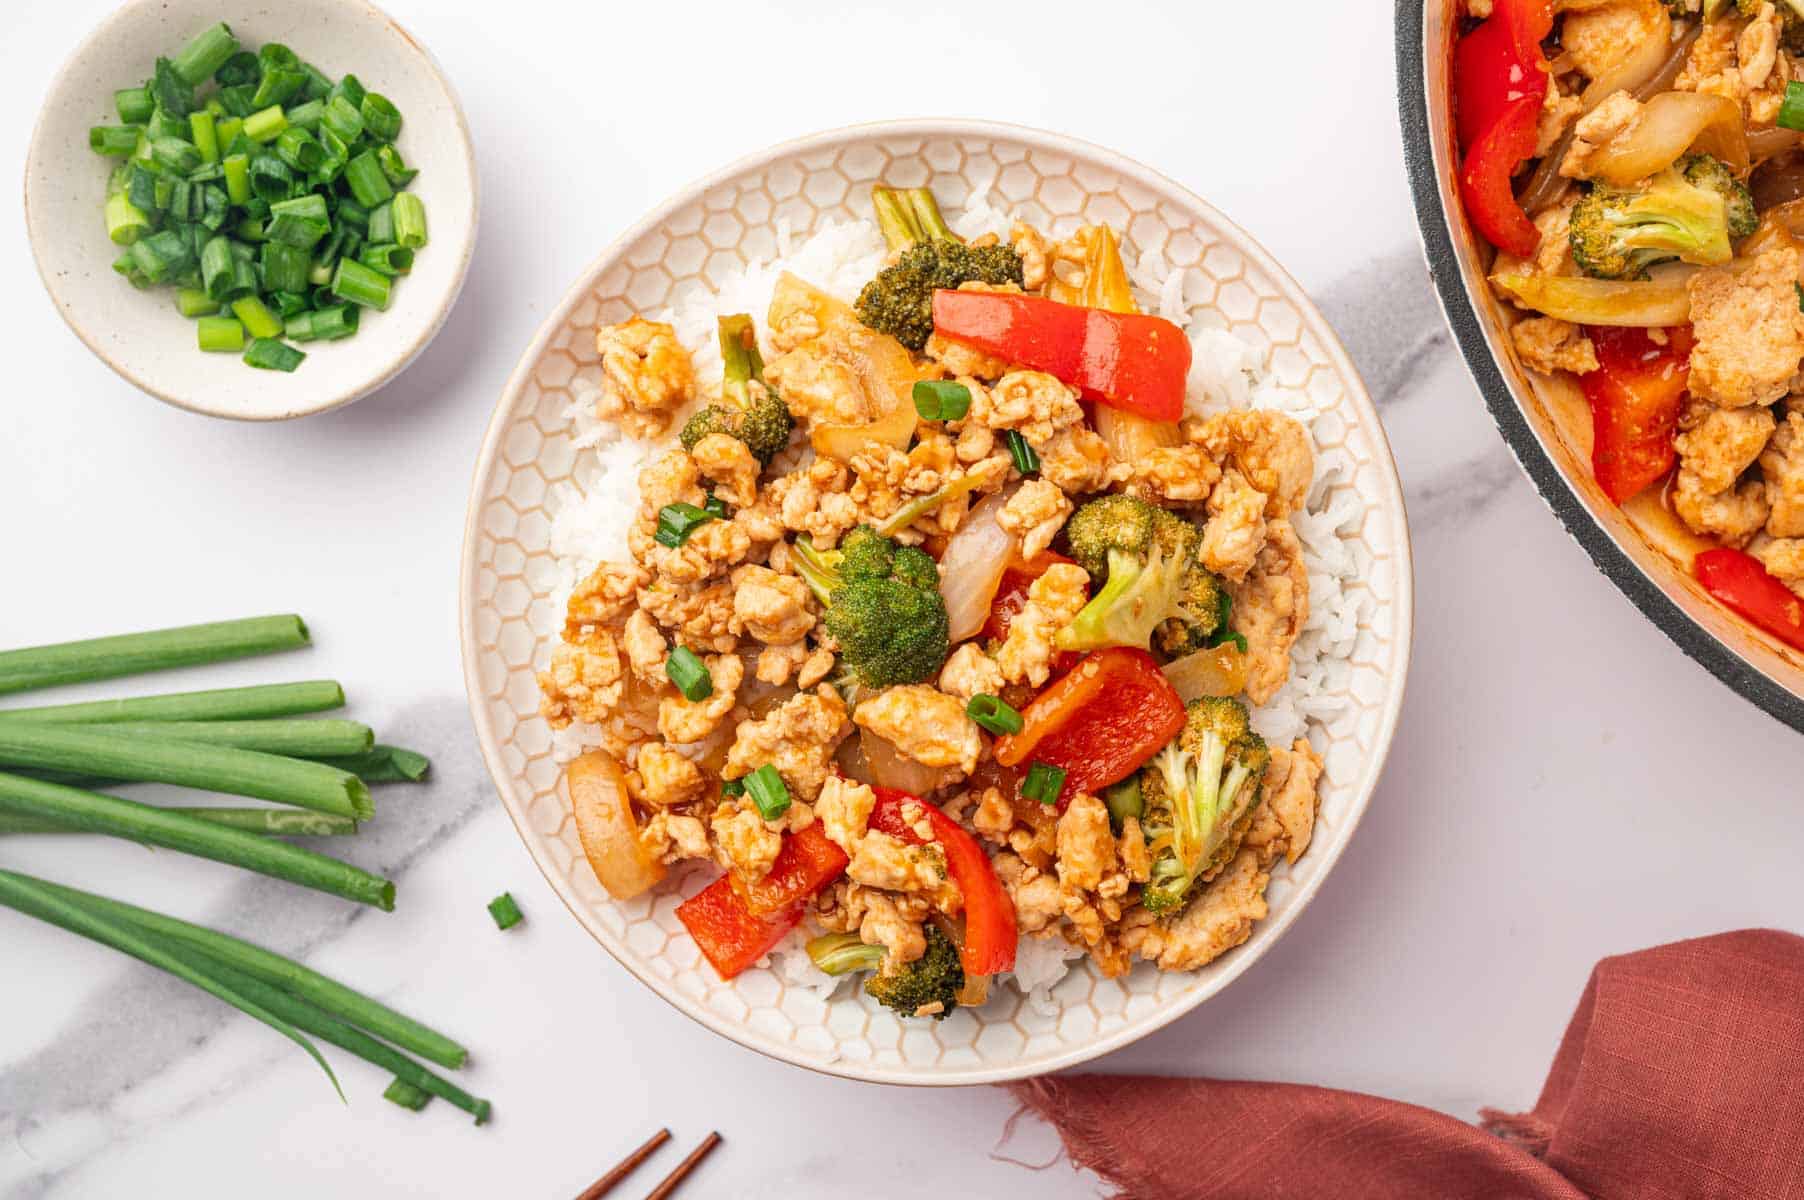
x=975, y=442
x=1032, y=403
x=672, y=837
x=665, y=777
x=1615, y=117
x=819, y=387
x=773, y=608
x=686, y=722
x=965, y=363
x=1558, y=112
x=646, y=375
x=879, y=919
x=711, y=550
x=1734, y=516
x=813, y=500
x=602, y=596
x=1035, y=514
x=701, y=616
x=1782, y=466
x=645, y=648
x=762, y=524
x=994, y=815
x=584, y=682
x=1718, y=444
x=1218, y=920
x=1783, y=558
x=671, y=478
x=743, y=843
x=1031, y=246
x=1175, y=474
x=1077, y=460
x=1053, y=600
x=1236, y=529
x=1035, y=894
x=1136, y=860
x=777, y=665
x=1712, y=54
x=1548, y=344
x=924, y=724
x=1269, y=449
x=1270, y=606
x=1086, y=844
x=970, y=672
x=1597, y=38
x=798, y=737
x=1284, y=824
x=1750, y=332
x=731, y=464
x=878, y=860
x=816, y=667
x=1757, y=50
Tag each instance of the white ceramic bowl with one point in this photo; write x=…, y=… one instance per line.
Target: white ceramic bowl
x=139, y=334
x=510, y=615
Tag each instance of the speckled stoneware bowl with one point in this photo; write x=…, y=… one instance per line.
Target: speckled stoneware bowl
x=528, y=467
x=139, y=334
x=1546, y=423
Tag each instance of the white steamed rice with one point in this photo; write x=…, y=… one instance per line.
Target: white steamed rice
x=1226, y=372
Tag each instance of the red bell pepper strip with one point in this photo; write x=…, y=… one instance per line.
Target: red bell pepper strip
x=729, y=935
x=1498, y=63
x=990, y=930
x=1635, y=396
x=1100, y=722
x=1484, y=180
x=808, y=862
x=1129, y=361
x=1742, y=583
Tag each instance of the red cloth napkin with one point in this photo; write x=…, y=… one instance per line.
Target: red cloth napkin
x=1681, y=1077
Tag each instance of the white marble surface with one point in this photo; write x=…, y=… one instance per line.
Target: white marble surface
x=1566, y=784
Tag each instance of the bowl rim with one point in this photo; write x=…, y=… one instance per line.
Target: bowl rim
x=1402, y=604
x=1436, y=236
x=36, y=234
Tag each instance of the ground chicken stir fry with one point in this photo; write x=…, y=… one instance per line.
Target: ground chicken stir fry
x=1643, y=185
x=916, y=660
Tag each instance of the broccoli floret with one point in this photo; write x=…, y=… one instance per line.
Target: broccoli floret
x=883, y=606
x=899, y=301
x=1199, y=794
x=749, y=410
x=1154, y=586
x=1688, y=211
x=936, y=977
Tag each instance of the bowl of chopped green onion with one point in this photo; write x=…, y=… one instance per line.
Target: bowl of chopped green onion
x=248, y=211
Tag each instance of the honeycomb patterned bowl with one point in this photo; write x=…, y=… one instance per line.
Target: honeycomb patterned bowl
x=510, y=579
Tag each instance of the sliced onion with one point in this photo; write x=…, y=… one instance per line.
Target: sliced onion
x=1671, y=124
x=1130, y=436
x=890, y=768
x=607, y=827
x=971, y=567
x=886, y=374
x=1662, y=300
x=1218, y=671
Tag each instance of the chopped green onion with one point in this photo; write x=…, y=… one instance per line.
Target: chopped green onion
x=134, y=105
x=1044, y=783
x=277, y=87
x=173, y=94
x=114, y=141
x=323, y=324
x=381, y=224
x=193, y=302
x=505, y=911
x=259, y=322
x=1791, y=109
x=300, y=150
x=351, y=88
x=767, y=790
x=307, y=116
x=174, y=153
x=284, y=269
x=408, y=213
x=716, y=506
x=125, y=221
x=222, y=335
x=271, y=180
x=205, y=131
x=399, y=1091
x=381, y=119
x=941, y=400
x=357, y=283
x=994, y=714
x=398, y=172
x=237, y=170
x=230, y=130
x=267, y=125
x=270, y=355
x=690, y=674
x=240, y=69
x=1026, y=461
x=732, y=787
x=218, y=269
x=342, y=117
x=318, y=86
x=301, y=222
x=205, y=53
x=677, y=521
x=364, y=176
x=389, y=260
x=162, y=255
x=236, y=100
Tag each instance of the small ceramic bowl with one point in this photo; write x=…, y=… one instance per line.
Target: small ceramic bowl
x=139, y=334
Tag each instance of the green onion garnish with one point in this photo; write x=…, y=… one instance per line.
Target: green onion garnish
x=732, y=787
x=994, y=714
x=1791, y=109
x=360, y=285
x=716, y=506
x=134, y=105
x=1026, y=461
x=408, y=212
x=689, y=673
x=271, y=355
x=767, y=790
x=114, y=141
x=505, y=911
x=399, y=1091
x=941, y=400
x=677, y=521
x=1044, y=783
x=223, y=335
x=205, y=53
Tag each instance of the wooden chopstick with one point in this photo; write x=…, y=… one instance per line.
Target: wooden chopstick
x=626, y=1166
x=669, y=1185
